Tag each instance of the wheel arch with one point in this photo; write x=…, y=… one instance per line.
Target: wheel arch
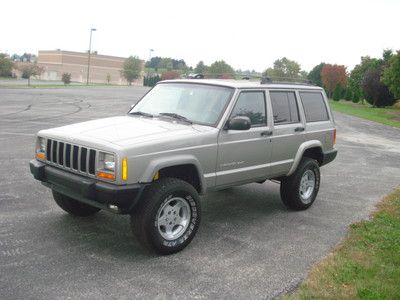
x=185, y=167
x=312, y=149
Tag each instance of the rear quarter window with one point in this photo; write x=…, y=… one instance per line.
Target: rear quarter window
x=314, y=106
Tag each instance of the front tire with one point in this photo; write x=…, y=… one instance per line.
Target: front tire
x=167, y=219
x=74, y=207
x=299, y=190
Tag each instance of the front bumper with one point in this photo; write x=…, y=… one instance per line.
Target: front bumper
x=88, y=190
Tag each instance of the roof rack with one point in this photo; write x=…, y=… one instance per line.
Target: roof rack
x=286, y=80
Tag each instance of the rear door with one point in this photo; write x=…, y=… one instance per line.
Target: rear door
x=243, y=156
x=288, y=130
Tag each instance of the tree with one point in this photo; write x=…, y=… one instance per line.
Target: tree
x=6, y=65
x=391, y=75
x=376, y=92
x=220, y=69
x=66, y=78
x=331, y=75
x=315, y=74
x=154, y=62
x=131, y=69
x=356, y=96
x=29, y=69
x=348, y=95
x=284, y=68
x=357, y=74
x=201, y=68
x=337, y=92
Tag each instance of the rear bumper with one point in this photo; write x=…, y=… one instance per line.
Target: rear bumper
x=88, y=190
x=328, y=156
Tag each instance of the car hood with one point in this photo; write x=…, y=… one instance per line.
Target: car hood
x=125, y=130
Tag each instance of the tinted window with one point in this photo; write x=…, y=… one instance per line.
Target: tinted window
x=284, y=107
x=252, y=105
x=314, y=106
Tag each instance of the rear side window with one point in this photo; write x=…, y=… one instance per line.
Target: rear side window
x=284, y=107
x=252, y=105
x=314, y=106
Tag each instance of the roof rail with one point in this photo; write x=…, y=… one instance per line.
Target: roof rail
x=285, y=80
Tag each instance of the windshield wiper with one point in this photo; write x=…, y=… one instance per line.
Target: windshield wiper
x=176, y=116
x=141, y=113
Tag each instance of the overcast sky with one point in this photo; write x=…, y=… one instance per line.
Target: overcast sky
x=246, y=34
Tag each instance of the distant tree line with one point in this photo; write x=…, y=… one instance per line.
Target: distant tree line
x=377, y=80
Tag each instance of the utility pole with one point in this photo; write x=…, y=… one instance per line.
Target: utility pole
x=90, y=50
x=151, y=50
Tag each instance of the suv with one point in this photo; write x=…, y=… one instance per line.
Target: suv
x=185, y=138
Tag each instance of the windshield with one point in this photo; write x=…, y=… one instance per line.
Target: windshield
x=197, y=103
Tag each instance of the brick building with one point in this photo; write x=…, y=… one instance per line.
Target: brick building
x=57, y=62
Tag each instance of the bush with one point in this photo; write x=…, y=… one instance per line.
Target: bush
x=356, y=97
x=348, y=95
x=376, y=92
x=151, y=80
x=337, y=92
x=66, y=78
x=170, y=75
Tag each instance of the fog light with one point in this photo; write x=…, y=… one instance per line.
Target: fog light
x=113, y=207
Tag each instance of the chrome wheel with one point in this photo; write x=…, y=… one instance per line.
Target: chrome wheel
x=307, y=186
x=173, y=218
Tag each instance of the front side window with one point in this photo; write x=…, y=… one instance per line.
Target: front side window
x=314, y=106
x=284, y=107
x=198, y=103
x=252, y=105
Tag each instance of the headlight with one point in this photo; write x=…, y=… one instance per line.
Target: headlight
x=106, y=162
x=41, y=148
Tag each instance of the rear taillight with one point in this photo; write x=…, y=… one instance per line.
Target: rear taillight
x=334, y=136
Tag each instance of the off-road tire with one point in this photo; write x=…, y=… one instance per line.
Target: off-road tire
x=290, y=186
x=144, y=222
x=73, y=206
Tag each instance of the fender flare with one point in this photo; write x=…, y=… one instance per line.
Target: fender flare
x=299, y=155
x=176, y=160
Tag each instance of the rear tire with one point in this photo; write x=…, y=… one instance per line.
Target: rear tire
x=299, y=190
x=73, y=206
x=167, y=219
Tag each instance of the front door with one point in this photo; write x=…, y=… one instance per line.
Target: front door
x=244, y=156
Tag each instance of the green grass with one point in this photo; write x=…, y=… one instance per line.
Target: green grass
x=366, y=265
x=388, y=115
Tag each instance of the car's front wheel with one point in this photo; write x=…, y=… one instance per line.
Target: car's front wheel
x=299, y=190
x=168, y=217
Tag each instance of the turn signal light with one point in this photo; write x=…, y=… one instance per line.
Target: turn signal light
x=334, y=136
x=105, y=175
x=40, y=155
x=125, y=169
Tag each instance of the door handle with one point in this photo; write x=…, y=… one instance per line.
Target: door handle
x=298, y=129
x=266, y=133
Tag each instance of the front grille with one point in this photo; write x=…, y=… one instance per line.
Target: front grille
x=73, y=157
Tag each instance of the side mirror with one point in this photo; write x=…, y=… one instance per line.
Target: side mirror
x=239, y=123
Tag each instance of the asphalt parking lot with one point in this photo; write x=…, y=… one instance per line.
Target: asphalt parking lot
x=248, y=245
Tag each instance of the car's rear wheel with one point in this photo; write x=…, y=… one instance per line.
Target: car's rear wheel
x=168, y=217
x=299, y=190
x=73, y=206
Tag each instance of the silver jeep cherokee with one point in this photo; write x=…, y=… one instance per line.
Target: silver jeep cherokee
x=183, y=139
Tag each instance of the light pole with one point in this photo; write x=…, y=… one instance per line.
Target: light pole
x=151, y=50
x=90, y=50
